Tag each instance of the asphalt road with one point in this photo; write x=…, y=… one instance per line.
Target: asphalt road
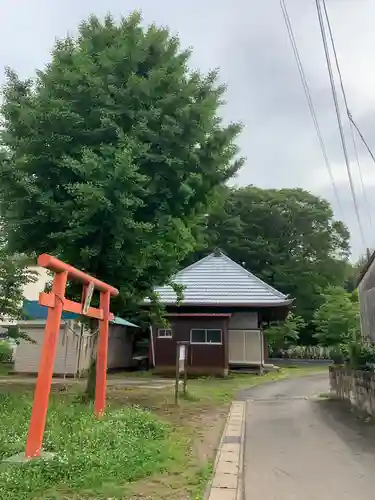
x=303, y=448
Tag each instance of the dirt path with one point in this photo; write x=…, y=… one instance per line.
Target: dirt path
x=112, y=381
x=300, y=448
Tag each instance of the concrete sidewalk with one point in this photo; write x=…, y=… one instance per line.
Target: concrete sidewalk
x=227, y=482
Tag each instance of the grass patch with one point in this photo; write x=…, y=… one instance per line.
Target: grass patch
x=5, y=368
x=91, y=455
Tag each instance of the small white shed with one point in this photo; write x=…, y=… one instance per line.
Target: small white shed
x=73, y=348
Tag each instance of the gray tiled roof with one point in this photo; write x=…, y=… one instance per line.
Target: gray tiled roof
x=218, y=280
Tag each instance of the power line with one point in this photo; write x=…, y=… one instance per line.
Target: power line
x=347, y=112
x=364, y=190
x=362, y=138
x=309, y=99
x=338, y=115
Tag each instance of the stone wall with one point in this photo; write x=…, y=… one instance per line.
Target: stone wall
x=356, y=387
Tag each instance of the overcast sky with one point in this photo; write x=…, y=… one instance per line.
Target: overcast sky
x=248, y=41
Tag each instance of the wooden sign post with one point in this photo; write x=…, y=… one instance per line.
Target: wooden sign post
x=181, y=367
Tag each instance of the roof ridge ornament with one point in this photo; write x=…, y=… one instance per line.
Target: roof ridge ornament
x=217, y=252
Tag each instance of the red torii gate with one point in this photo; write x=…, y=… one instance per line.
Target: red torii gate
x=57, y=303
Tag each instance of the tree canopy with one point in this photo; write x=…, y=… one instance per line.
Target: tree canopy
x=287, y=237
x=110, y=156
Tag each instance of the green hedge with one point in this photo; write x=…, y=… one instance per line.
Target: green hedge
x=302, y=352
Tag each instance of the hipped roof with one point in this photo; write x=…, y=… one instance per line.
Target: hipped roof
x=217, y=280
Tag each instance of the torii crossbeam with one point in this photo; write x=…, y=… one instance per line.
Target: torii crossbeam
x=57, y=303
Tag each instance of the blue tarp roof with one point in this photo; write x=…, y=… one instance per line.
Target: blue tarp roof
x=33, y=310
x=123, y=322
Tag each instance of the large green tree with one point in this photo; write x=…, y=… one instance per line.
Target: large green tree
x=111, y=154
x=288, y=237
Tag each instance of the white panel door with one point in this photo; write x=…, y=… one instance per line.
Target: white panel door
x=245, y=347
x=236, y=346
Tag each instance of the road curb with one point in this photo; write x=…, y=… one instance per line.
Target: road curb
x=227, y=480
x=240, y=484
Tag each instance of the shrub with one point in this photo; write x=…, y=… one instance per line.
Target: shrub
x=283, y=334
x=6, y=352
x=340, y=354
x=361, y=356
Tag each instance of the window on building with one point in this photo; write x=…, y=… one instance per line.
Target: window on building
x=214, y=336
x=205, y=336
x=198, y=336
x=164, y=333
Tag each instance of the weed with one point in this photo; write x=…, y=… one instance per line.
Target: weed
x=187, y=396
x=327, y=395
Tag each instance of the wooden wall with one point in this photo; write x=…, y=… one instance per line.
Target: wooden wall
x=203, y=359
